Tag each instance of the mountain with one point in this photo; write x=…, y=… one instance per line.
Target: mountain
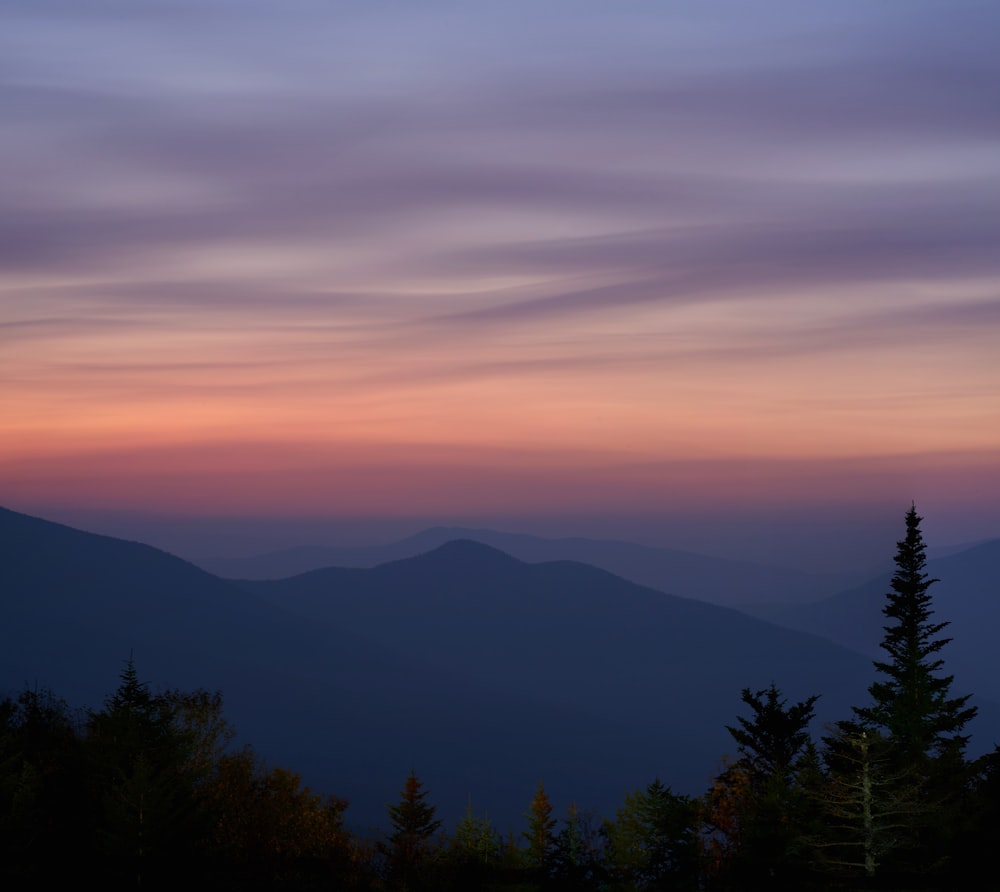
x=965, y=596
x=717, y=580
x=664, y=671
x=479, y=671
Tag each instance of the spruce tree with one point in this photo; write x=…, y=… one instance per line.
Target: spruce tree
x=541, y=831
x=767, y=791
x=144, y=798
x=413, y=828
x=923, y=766
x=912, y=702
x=776, y=735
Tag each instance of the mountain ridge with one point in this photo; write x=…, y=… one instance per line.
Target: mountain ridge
x=690, y=574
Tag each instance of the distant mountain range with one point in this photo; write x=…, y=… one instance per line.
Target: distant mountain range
x=479, y=671
x=730, y=583
x=966, y=596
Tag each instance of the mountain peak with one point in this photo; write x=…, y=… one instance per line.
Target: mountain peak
x=455, y=558
x=469, y=552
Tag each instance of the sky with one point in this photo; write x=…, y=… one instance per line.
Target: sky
x=624, y=268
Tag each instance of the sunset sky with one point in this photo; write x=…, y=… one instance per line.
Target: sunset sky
x=526, y=260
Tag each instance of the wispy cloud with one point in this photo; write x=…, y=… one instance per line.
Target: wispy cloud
x=529, y=224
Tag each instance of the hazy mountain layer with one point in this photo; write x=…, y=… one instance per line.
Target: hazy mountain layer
x=713, y=579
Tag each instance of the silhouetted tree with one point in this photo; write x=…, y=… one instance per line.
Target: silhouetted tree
x=913, y=703
x=540, y=834
x=758, y=809
x=413, y=824
x=774, y=736
x=144, y=793
x=913, y=708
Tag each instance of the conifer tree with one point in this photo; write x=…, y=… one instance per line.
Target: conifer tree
x=541, y=830
x=475, y=840
x=474, y=852
x=774, y=736
x=920, y=772
x=912, y=702
x=413, y=828
x=758, y=808
x=144, y=796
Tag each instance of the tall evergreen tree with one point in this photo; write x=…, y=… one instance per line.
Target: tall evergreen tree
x=920, y=721
x=540, y=833
x=413, y=827
x=913, y=702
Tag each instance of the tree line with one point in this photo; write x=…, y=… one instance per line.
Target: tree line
x=149, y=792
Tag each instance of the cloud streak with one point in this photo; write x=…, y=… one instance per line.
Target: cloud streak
x=651, y=232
